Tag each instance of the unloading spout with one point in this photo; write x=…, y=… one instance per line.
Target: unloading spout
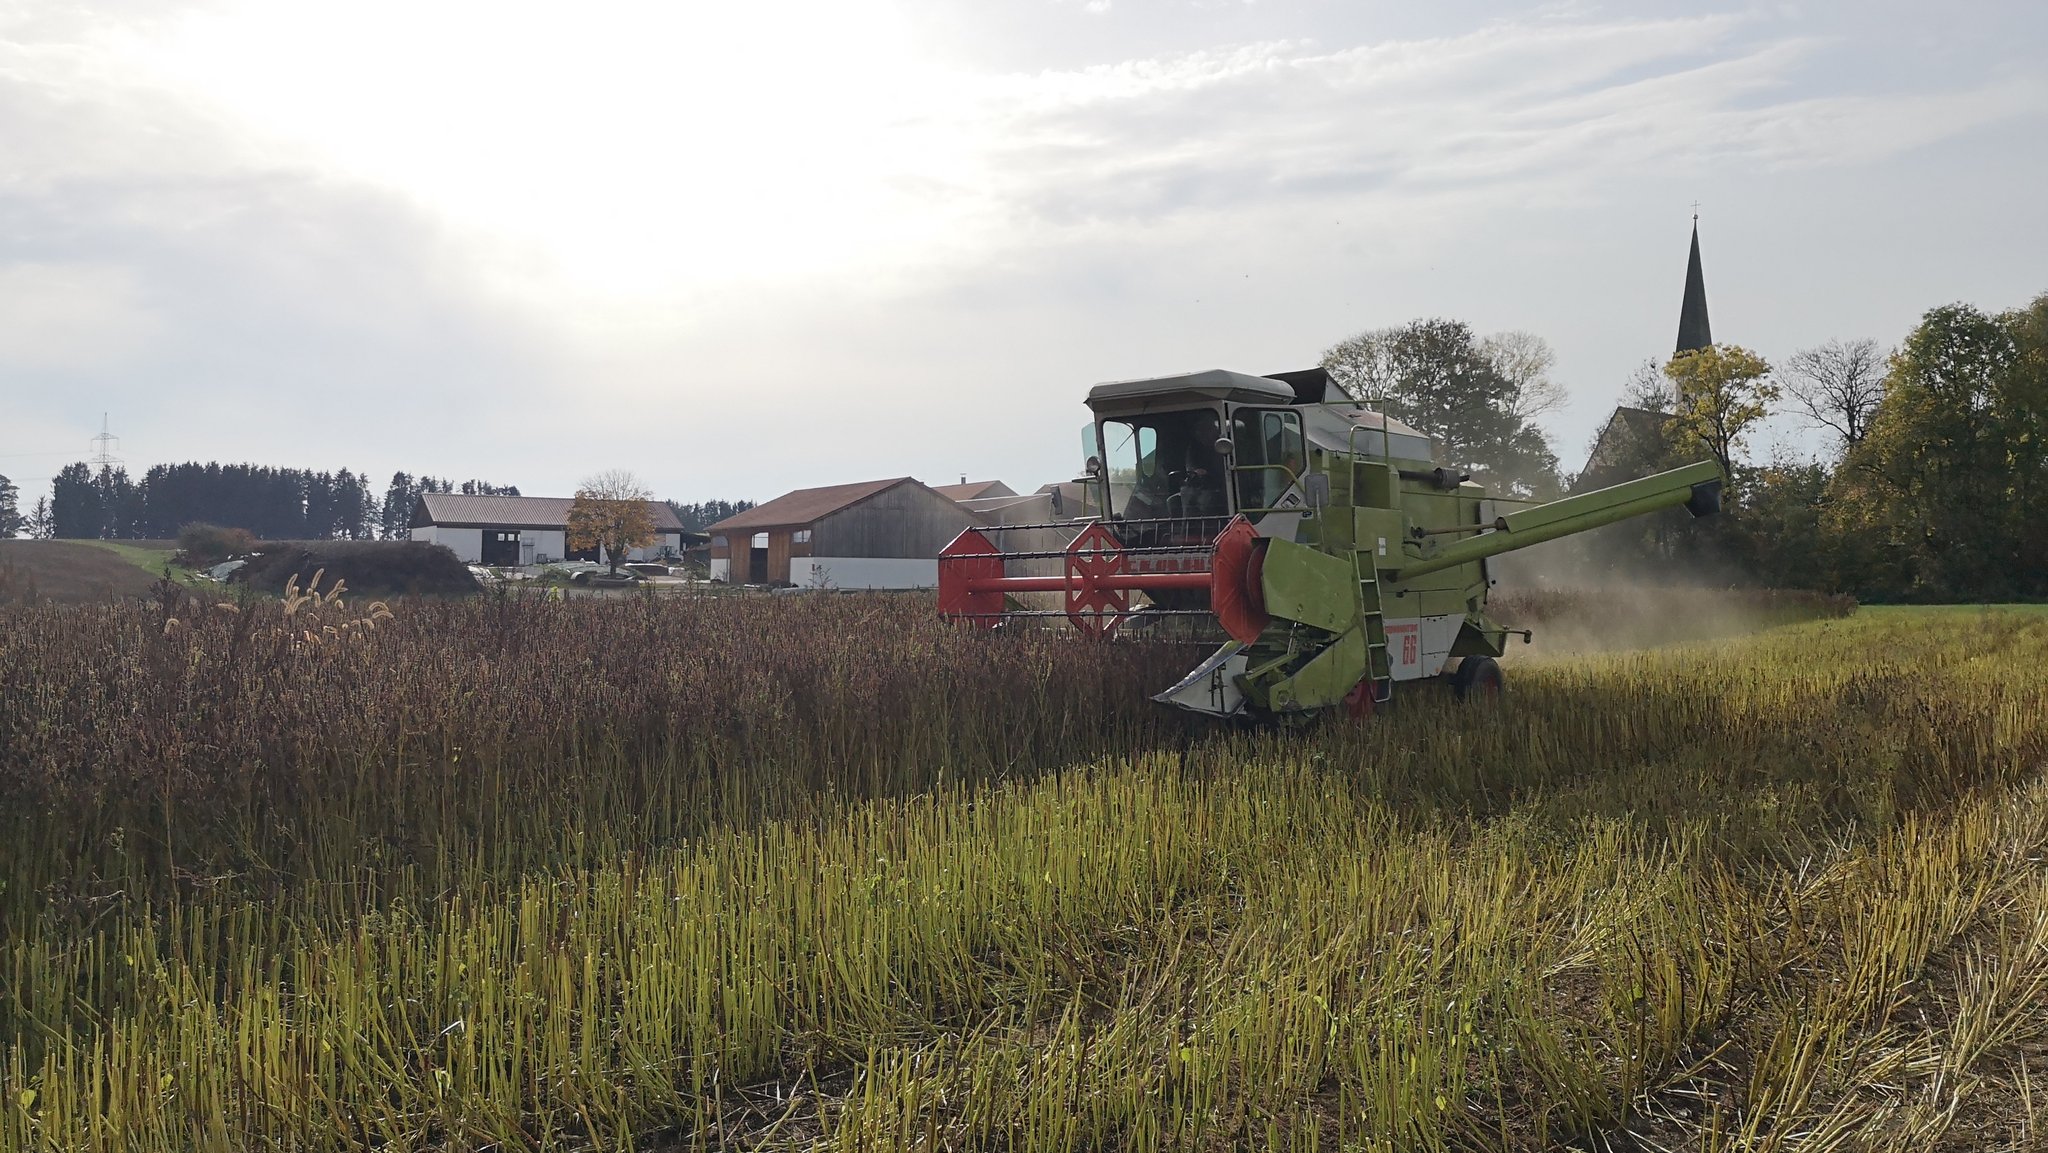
x=1696, y=486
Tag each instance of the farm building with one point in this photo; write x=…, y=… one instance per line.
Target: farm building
x=516, y=530
x=1634, y=438
x=974, y=489
x=875, y=534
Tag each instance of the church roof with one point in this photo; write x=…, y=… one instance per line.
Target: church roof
x=1619, y=450
x=1693, y=330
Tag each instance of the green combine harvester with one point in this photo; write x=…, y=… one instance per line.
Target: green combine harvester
x=1336, y=554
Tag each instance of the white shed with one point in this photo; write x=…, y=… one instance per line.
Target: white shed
x=515, y=530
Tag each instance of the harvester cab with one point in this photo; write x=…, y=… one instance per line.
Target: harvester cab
x=1335, y=553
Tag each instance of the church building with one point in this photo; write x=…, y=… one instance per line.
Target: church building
x=1631, y=433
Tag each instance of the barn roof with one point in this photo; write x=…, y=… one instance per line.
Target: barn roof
x=974, y=489
x=807, y=505
x=456, y=510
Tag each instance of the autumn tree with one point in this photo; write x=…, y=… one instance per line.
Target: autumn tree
x=611, y=512
x=1723, y=390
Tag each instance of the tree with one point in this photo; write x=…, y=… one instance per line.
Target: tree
x=1524, y=360
x=1939, y=500
x=1723, y=390
x=1435, y=375
x=122, y=511
x=611, y=512
x=395, y=519
x=1648, y=388
x=1362, y=365
x=38, y=522
x=75, y=509
x=352, y=516
x=1837, y=386
x=697, y=517
x=10, y=509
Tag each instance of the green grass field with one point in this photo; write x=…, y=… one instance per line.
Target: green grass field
x=1777, y=891
x=1912, y=610
x=153, y=557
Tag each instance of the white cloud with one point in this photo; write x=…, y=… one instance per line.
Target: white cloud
x=485, y=231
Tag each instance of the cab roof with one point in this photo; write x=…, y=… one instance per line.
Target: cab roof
x=1211, y=383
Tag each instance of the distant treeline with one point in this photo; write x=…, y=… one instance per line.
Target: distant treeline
x=269, y=503
x=272, y=503
x=698, y=517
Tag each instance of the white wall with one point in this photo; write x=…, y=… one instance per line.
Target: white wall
x=862, y=572
x=653, y=552
x=547, y=542
x=551, y=543
x=466, y=543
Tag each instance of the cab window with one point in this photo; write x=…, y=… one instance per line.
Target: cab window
x=1266, y=437
x=1133, y=451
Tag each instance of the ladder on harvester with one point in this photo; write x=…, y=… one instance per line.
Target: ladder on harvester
x=1379, y=665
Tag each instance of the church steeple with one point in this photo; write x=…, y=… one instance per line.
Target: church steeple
x=1693, y=332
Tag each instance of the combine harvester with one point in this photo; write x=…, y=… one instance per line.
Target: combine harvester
x=1335, y=552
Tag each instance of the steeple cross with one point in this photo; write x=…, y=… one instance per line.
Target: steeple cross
x=1695, y=212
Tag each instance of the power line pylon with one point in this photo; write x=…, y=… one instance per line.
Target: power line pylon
x=103, y=447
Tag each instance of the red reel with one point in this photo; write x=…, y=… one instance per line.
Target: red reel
x=1095, y=554
x=1236, y=593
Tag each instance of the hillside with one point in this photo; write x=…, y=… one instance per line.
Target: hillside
x=68, y=571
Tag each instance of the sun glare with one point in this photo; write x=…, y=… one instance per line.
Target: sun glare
x=633, y=149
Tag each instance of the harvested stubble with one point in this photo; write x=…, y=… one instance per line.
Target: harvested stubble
x=1637, y=616
x=1778, y=893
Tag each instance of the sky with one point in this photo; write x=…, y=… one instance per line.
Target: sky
x=744, y=248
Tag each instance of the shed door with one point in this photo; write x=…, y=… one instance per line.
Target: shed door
x=501, y=546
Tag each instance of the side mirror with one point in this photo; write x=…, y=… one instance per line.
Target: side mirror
x=1225, y=446
x=1316, y=487
x=1094, y=466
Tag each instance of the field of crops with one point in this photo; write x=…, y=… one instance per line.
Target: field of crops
x=820, y=873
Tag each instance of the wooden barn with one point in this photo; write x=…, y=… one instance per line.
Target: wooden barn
x=875, y=534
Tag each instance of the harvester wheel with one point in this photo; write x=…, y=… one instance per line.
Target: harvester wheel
x=1478, y=678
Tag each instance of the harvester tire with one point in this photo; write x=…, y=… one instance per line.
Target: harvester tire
x=1478, y=678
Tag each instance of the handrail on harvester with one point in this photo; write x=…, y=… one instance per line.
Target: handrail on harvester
x=1287, y=475
x=1096, y=581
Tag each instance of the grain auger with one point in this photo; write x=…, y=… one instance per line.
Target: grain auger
x=1337, y=556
